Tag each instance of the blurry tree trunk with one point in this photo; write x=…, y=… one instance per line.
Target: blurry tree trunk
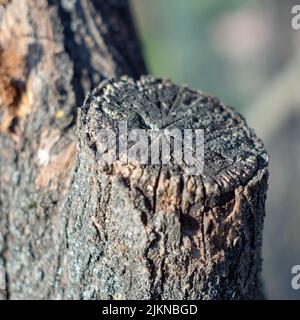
x=54, y=243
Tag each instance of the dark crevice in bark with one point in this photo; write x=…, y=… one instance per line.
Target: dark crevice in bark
x=75, y=51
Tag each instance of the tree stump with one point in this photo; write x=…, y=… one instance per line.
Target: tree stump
x=141, y=231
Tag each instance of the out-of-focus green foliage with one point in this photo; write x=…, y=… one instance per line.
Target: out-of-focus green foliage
x=178, y=39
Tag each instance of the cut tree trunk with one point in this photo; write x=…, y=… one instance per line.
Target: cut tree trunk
x=144, y=231
x=75, y=228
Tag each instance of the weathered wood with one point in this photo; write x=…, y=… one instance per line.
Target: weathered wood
x=144, y=232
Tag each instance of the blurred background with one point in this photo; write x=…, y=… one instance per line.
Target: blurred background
x=248, y=55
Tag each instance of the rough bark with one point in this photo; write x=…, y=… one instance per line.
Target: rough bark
x=71, y=228
x=52, y=54
x=151, y=231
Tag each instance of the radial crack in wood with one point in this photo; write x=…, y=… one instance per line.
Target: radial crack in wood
x=144, y=231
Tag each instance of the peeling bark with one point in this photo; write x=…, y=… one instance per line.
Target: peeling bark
x=70, y=229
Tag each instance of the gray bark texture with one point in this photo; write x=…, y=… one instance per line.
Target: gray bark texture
x=73, y=227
